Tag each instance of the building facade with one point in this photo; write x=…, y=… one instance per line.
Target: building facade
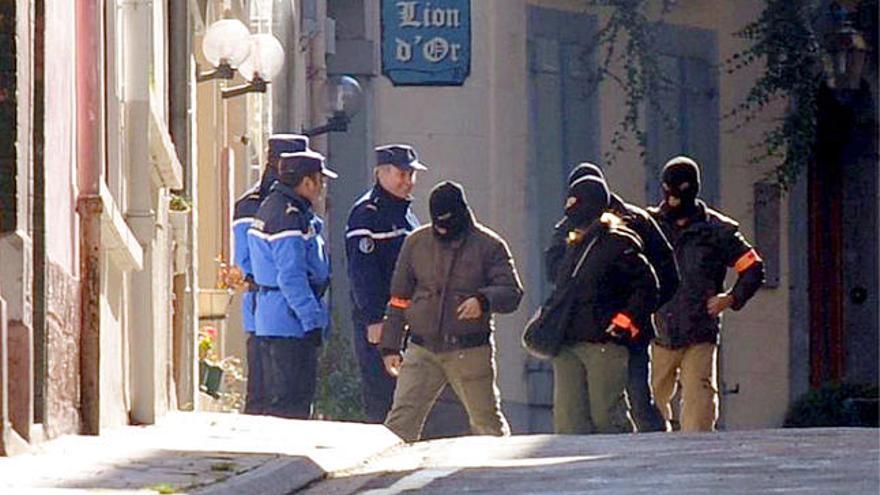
x=91, y=95
x=530, y=109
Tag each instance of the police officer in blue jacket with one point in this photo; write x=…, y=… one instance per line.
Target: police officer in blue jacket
x=292, y=271
x=377, y=225
x=245, y=209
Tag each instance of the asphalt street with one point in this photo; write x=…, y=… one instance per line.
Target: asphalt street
x=820, y=461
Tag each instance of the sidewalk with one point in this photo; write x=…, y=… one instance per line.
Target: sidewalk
x=203, y=453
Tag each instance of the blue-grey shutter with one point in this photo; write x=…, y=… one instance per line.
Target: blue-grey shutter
x=563, y=111
x=563, y=131
x=683, y=118
x=8, y=120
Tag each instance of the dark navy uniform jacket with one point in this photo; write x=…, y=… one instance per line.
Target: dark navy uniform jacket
x=291, y=265
x=377, y=226
x=245, y=210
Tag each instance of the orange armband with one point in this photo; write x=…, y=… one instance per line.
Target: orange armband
x=625, y=322
x=399, y=302
x=746, y=261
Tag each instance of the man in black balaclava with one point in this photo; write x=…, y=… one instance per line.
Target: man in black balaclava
x=681, y=186
x=451, y=277
x=450, y=214
x=588, y=197
x=611, y=291
x=659, y=253
x=706, y=244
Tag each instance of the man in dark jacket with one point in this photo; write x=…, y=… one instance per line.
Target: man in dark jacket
x=244, y=212
x=450, y=278
x=659, y=253
x=706, y=244
x=378, y=223
x=616, y=292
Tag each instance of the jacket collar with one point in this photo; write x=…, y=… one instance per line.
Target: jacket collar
x=270, y=175
x=300, y=202
x=384, y=198
x=698, y=216
x=617, y=204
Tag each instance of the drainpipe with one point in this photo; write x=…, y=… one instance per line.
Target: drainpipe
x=89, y=206
x=141, y=215
x=318, y=77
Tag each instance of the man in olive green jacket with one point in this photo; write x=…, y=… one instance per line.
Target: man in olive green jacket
x=451, y=276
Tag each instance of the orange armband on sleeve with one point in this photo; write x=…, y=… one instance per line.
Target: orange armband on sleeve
x=399, y=302
x=623, y=321
x=746, y=261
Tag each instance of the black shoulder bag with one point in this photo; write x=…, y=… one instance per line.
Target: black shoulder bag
x=545, y=331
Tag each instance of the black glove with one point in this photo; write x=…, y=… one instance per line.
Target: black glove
x=314, y=337
x=320, y=289
x=618, y=334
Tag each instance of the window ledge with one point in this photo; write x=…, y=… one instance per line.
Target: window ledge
x=166, y=166
x=116, y=237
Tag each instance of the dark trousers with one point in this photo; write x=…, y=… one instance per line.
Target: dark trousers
x=255, y=402
x=289, y=373
x=644, y=412
x=377, y=386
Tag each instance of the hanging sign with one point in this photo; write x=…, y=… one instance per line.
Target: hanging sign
x=426, y=42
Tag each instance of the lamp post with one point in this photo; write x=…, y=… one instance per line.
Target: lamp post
x=264, y=62
x=847, y=52
x=226, y=47
x=344, y=100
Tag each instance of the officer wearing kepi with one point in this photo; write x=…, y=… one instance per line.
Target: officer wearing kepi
x=377, y=225
x=245, y=209
x=292, y=269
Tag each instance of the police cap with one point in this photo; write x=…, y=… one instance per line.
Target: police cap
x=401, y=156
x=287, y=143
x=304, y=163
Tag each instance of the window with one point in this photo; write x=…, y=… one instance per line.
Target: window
x=8, y=119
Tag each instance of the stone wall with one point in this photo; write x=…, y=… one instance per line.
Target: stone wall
x=63, y=349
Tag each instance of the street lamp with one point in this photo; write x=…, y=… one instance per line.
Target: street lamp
x=344, y=100
x=225, y=46
x=264, y=62
x=847, y=54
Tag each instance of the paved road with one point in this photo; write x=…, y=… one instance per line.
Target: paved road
x=820, y=461
x=199, y=453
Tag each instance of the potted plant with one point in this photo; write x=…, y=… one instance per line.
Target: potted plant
x=179, y=209
x=210, y=371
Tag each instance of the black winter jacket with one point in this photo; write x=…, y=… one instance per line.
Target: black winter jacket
x=655, y=246
x=705, y=248
x=615, y=283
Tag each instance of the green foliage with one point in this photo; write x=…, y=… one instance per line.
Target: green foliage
x=179, y=203
x=642, y=74
x=835, y=404
x=338, y=396
x=787, y=36
x=163, y=488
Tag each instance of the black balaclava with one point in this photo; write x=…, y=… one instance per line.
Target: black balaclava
x=585, y=169
x=449, y=210
x=681, y=179
x=588, y=197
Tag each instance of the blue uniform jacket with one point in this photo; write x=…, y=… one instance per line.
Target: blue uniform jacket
x=377, y=226
x=243, y=216
x=290, y=264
